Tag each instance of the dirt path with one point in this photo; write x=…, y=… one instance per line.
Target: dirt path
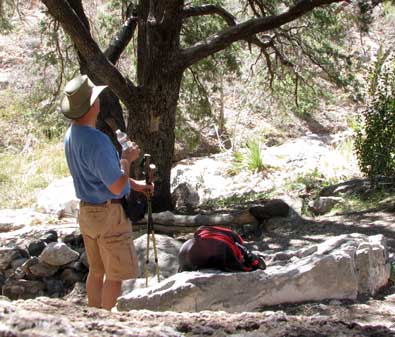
x=307, y=231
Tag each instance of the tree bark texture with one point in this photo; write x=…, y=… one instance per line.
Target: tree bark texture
x=151, y=102
x=167, y=222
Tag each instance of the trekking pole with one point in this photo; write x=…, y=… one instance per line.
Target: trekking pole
x=149, y=170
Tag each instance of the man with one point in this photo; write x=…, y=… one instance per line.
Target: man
x=101, y=180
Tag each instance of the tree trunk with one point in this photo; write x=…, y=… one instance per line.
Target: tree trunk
x=151, y=124
x=151, y=115
x=151, y=121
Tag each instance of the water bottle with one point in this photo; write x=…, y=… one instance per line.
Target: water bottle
x=123, y=139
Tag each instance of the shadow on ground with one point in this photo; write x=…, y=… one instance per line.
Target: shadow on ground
x=285, y=235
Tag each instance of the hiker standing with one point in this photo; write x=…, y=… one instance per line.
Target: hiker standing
x=100, y=180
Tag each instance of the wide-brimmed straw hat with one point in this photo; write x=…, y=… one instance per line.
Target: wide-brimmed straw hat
x=79, y=95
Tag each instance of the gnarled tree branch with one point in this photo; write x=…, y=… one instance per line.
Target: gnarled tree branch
x=209, y=10
x=246, y=30
x=228, y=17
x=121, y=40
x=98, y=63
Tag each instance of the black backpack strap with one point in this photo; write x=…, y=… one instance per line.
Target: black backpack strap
x=251, y=260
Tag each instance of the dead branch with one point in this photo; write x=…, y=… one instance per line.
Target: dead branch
x=104, y=69
x=168, y=222
x=121, y=40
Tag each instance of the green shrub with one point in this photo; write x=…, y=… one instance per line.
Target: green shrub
x=237, y=163
x=375, y=141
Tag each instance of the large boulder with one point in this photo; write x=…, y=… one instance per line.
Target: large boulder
x=340, y=268
x=323, y=205
x=58, y=254
x=23, y=289
x=185, y=195
x=167, y=250
x=59, y=198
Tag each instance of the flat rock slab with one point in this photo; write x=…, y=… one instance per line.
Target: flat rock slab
x=340, y=268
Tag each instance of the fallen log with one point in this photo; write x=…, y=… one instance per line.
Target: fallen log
x=168, y=222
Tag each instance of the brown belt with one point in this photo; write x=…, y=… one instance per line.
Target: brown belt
x=112, y=201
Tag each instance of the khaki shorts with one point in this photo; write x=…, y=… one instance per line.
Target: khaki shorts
x=107, y=234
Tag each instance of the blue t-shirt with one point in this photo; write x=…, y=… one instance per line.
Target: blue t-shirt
x=93, y=163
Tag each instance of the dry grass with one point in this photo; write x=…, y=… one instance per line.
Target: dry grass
x=28, y=160
x=26, y=173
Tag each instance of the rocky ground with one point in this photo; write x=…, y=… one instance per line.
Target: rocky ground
x=52, y=317
x=367, y=316
x=378, y=310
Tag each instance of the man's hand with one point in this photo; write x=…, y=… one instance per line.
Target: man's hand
x=142, y=186
x=131, y=153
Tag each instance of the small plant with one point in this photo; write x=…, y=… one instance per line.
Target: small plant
x=251, y=158
x=255, y=158
x=237, y=163
x=309, y=182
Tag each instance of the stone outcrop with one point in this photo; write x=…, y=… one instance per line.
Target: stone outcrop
x=42, y=268
x=185, y=195
x=167, y=250
x=323, y=205
x=340, y=268
x=52, y=265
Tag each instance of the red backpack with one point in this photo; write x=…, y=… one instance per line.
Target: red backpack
x=218, y=248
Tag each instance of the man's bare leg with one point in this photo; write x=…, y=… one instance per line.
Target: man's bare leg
x=111, y=291
x=94, y=288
